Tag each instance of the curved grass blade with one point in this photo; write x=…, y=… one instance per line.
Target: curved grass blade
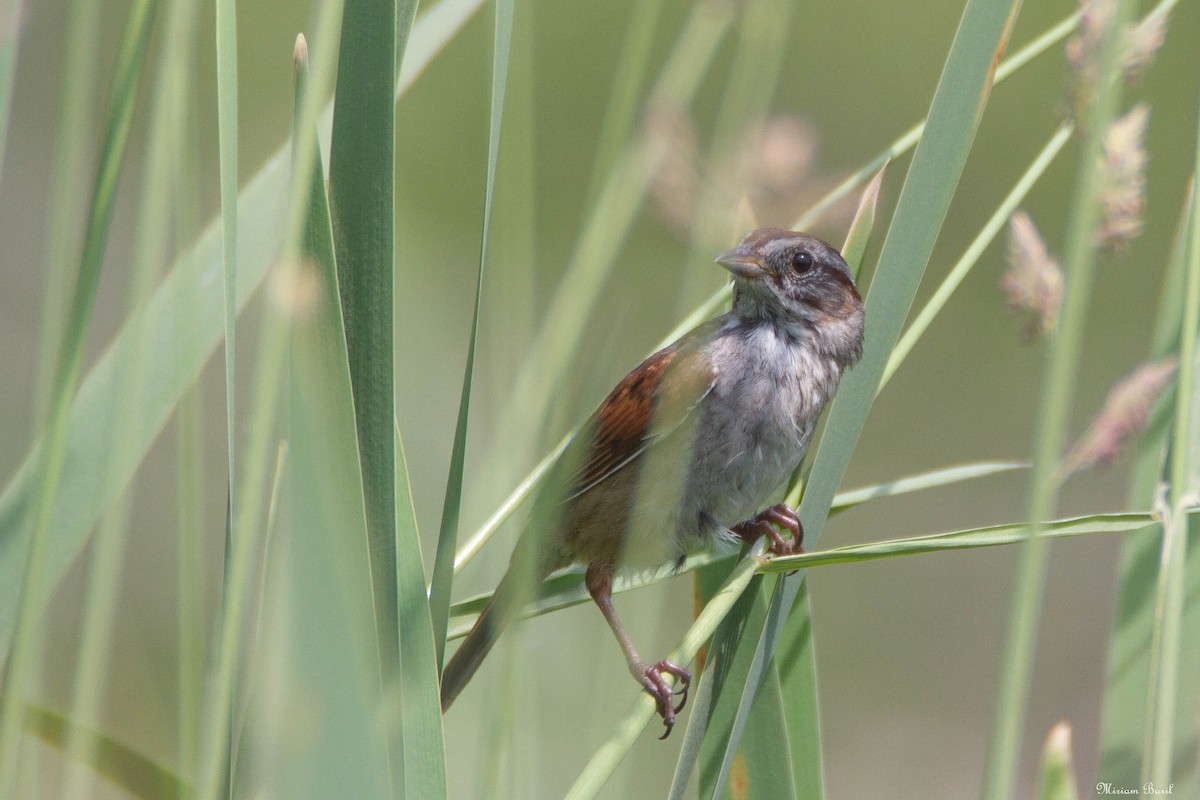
x=443, y=565
x=1122, y=727
x=105, y=572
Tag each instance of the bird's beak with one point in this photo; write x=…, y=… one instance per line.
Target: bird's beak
x=742, y=261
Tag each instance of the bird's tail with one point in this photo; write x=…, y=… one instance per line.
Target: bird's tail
x=510, y=595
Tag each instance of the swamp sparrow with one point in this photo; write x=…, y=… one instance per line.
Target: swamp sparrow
x=688, y=448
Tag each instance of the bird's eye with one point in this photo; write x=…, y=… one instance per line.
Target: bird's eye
x=802, y=261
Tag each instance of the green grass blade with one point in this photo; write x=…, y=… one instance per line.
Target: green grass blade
x=361, y=200
x=227, y=138
x=797, y=667
x=969, y=539
x=333, y=658
x=443, y=565
x=138, y=774
x=72, y=133
x=922, y=481
x=1057, y=390
x=227, y=142
x=566, y=589
x=1165, y=674
x=1125, y=711
x=420, y=704
x=46, y=489
x=954, y=115
x=181, y=326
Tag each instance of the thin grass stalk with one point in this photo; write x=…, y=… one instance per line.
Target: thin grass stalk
x=225, y=13
x=72, y=136
x=975, y=250
x=1157, y=755
x=214, y=735
x=443, y=566
x=1057, y=391
x=190, y=487
x=189, y=578
x=226, y=22
x=66, y=377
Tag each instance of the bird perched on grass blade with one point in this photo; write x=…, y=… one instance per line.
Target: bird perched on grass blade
x=688, y=449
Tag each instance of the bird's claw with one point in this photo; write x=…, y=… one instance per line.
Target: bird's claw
x=656, y=686
x=764, y=525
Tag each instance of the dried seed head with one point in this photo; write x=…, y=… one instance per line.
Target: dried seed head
x=1084, y=48
x=1034, y=281
x=1126, y=412
x=1139, y=45
x=1123, y=197
x=1142, y=43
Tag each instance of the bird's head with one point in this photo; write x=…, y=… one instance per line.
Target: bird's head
x=799, y=282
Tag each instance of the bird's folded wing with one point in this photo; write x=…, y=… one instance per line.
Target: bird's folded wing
x=647, y=405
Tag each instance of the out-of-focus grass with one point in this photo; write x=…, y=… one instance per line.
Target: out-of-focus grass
x=341, y=654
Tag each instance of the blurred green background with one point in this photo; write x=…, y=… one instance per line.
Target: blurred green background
x=907, y=649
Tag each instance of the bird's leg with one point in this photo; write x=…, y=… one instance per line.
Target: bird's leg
x=599, y=580
x=764, y=525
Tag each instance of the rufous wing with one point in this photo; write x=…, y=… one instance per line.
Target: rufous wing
x=646, y=406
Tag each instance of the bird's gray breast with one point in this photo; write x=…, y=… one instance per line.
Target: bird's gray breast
x=756, y=426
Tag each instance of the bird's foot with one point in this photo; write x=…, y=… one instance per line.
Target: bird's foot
x=764, y=525
x=651, y=678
